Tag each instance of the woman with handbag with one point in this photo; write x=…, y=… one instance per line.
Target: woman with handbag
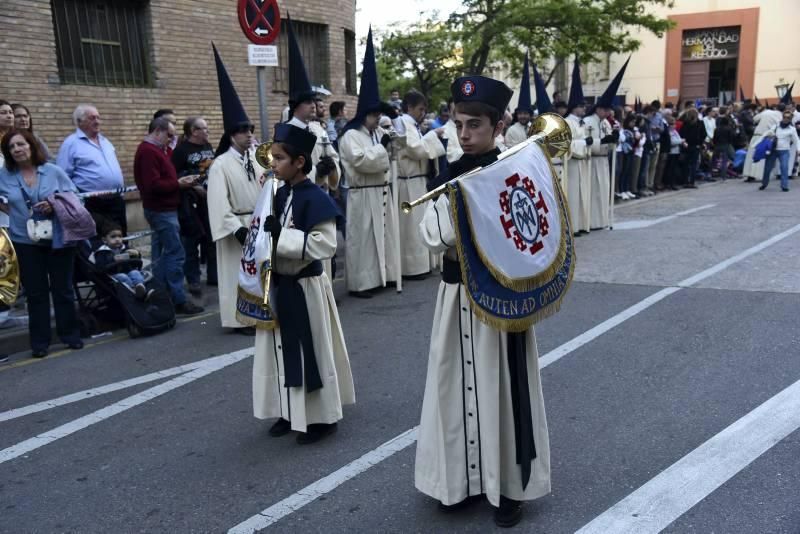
x=784, y=136
x=26, y=182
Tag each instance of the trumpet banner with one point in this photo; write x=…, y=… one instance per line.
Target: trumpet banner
x=255, y=262
x=514, y=239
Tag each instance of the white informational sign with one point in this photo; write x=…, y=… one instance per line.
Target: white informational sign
x=262, y=55
x=672, y=92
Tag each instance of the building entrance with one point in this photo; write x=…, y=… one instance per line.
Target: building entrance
x=709, y=65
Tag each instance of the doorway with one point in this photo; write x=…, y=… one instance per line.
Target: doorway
x=722, y=80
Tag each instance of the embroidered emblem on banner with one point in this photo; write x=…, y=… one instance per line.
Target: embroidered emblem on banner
x=524, y=216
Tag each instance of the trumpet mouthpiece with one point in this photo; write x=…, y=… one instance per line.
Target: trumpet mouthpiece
x=406, y=207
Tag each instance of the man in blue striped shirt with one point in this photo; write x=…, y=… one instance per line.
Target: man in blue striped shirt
x=90, y=160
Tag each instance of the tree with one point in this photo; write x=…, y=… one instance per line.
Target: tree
x=425, y=56
x=498, y=32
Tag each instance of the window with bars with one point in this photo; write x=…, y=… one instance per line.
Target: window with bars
x=313, y=41
x=102, y=42
x=350, y=79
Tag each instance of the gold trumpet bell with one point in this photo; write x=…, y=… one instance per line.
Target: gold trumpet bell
x=552, y=132
x=9, y=270
x=264, y=155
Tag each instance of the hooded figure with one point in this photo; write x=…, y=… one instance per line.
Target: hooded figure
x=234, y=182
x=605, y=142
x=372, y=253
x=518, y=132
x=579, y=178
x=483, y=429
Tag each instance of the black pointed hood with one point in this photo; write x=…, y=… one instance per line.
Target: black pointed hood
x=606, y=100
x=369, y=95
x=543, y=104
x=787, y=96
x=524, y=103
x=234, y=116
x=576, y=88
x=300, y=89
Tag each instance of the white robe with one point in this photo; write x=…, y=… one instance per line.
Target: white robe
x=601, y=174
x=579, y=179
x=765, y=121
x=454, y=150
x=231, y=200
x=370, y=254
x=415, y=151
x=466, y=440
x=321, y=148
x=516, y=134
x=271, y=398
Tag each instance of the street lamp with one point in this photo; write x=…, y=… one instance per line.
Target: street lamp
x=781, y=87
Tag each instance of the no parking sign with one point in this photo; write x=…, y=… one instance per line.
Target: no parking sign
x=260, y=20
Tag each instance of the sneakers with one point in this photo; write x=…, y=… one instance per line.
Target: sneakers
x=140, y=291
x=761, y=188
x=188, y=308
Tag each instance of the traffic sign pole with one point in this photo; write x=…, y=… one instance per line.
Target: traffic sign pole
x=261, y=77
x=261, y=23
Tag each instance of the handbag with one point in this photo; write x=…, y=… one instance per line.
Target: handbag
x=40, y=228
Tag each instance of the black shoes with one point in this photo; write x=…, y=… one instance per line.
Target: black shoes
x=415, y=277
x=448, y=508
x=361, y=294
x=196, y=290
x=750, y=179
x=785, y=189
x=38, y=353
x=188, y=308
x=508, y=513
x=280, y=428
x=761, y=188
x=314, y=433
x=75, y=345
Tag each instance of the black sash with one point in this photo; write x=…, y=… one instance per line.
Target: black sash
x=520, y=394
x=296, y=329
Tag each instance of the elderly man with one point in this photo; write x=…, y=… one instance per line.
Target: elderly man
x=89, y=159
x=160, y=189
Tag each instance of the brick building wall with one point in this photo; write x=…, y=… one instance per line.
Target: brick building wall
x=179, y=33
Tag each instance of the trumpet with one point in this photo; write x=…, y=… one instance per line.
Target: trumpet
x=9, y=270
x=263, y=156
x=549, y=130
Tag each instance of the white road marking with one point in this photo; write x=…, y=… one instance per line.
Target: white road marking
x=646, y=223
x=102, y=414
x=665, y=498
x=322, y=486
x=108, y=388
x=308, y=494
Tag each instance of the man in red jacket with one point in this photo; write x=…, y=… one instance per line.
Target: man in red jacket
x=159, y=188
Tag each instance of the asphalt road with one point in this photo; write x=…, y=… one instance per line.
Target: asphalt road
x=653, y=375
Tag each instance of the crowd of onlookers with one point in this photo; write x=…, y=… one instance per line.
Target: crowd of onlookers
x=659, y=148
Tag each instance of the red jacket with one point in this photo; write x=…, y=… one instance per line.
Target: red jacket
x=156, y=179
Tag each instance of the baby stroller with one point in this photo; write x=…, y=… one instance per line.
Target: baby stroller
x=105, y=303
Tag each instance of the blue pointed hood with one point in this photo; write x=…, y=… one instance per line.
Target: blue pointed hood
x=369, y=95
x=606, y=100
x=543, y=104
x=233, y=113
x=741, y=94
x=299, y=87
x=576, y=88
x=524, y=103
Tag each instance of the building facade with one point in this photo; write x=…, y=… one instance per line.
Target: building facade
x=715, y=47
x=132, y=57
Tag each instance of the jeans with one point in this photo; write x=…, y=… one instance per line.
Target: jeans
x=783, y=157
x=167, y=252
x=692, y=163
x=191, y=265
x=641, y=181
x=130, y=279
x=47, y=272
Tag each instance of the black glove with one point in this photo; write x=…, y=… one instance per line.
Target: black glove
x=385, y=140
x=609, y=139
x=391, y=112
x=273, y=226
x=240, y=235
x=325, y=166
x=589, y=141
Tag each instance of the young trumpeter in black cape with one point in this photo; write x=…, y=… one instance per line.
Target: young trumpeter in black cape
x=301, y=371
x=483, y=429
